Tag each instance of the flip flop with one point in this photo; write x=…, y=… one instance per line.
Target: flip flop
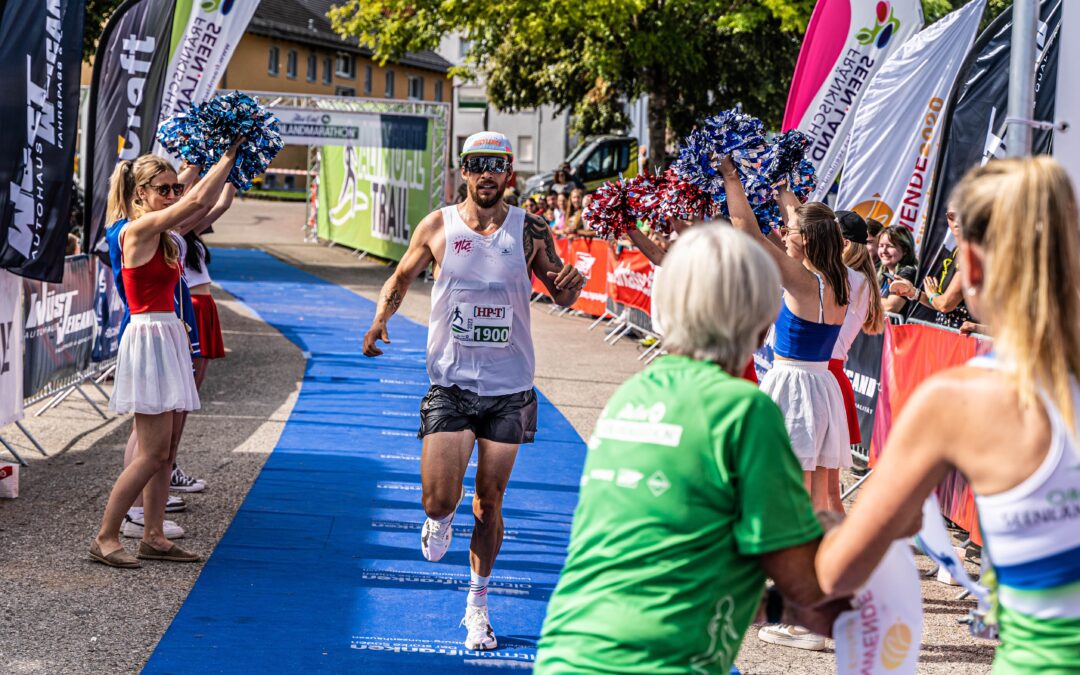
x=118, y=558
x=174, y=554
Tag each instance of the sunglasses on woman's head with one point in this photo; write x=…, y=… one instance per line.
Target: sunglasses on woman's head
x=163, y=188
x=486, y=164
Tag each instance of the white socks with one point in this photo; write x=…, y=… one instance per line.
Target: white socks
x=478, y=590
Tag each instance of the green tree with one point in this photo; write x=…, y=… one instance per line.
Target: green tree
x=692, y=57
x=97, y=13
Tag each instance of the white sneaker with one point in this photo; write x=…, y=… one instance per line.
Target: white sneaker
x=133, y=528
x=481, y=636
x=435, y=537
x=175, y=504
x=787, y=635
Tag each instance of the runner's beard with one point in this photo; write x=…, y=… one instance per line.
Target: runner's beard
x=474, y=194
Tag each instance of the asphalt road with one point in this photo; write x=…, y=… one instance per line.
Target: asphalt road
x=60, y=613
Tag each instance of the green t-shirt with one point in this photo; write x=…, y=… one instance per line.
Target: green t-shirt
x=689, y=476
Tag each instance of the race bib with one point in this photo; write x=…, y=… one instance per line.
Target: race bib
x=481, y=325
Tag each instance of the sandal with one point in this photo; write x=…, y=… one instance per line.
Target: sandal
x=118, y=558
x=173, y=554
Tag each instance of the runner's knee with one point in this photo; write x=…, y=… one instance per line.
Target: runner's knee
x=487, y=504
x=439, y=504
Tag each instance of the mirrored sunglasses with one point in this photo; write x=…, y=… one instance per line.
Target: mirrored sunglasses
x=486, y=164
x=163, y=189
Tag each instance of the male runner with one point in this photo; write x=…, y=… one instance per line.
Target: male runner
x=479, y=354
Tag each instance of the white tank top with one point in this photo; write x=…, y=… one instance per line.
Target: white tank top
x=1032, y=531
x=479, y=335
x=856, y=314
x=194, y=277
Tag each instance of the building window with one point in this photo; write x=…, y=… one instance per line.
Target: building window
x=438, y=90
x=345, y=65
x=312, y=67
x=345, y=91
x=526, y=151
x=327, y=70
x=463, y=48
x=290, y=64
x=369, y=78
x=274, y=59
x=389, y=84
x=416, y=88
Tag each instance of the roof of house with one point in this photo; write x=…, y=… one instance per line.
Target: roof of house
x=305, y=21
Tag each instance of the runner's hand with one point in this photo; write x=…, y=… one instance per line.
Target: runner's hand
x=567, y=279
x=377, y=332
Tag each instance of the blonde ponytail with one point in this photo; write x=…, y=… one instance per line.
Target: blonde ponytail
x=857, y=258
x=1023, y=213
x=121, y=192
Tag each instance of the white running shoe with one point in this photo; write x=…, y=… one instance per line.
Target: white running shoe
x=481, y=636
x=787, y=635
x=133, y=528
x=435, y=537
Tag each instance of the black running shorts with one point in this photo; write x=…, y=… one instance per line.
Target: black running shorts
x=503, y=419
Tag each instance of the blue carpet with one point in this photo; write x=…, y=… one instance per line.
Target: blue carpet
x=321, y=569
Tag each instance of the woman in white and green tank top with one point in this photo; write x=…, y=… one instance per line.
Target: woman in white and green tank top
x=1008, y=422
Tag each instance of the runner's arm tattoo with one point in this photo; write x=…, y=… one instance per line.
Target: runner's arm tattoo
x=393, y=299
x=536, y=228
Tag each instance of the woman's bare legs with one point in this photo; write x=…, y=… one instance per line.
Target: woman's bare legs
x=835, y=502
x=156, y=492
x=151, y=457
x=819, y=489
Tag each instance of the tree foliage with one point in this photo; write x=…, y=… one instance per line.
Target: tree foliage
x=97, y=13
x=692, y=57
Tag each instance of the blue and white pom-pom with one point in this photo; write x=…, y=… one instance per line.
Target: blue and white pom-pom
x=203, y=134
x=728, y=134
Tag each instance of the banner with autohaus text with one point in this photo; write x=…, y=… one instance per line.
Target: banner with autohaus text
x=58, y=325
x=846, y=42
x=896, y=135
x=204, y=37
x=40, y=57
x=976, y=129
x=125, y=96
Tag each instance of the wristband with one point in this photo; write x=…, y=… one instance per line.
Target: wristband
x=774, y=605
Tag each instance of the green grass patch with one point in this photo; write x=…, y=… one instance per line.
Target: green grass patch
x=277, y=195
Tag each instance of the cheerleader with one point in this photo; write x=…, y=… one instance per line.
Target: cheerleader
x=153, y=377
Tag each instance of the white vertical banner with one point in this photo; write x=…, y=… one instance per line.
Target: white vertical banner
x=846, y=42
x=205, y=35
x=896, y=137
x=1067, y=103
x=11, y=348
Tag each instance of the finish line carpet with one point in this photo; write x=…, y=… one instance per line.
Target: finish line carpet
x=321, y=568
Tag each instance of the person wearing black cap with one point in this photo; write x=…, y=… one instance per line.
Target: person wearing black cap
x=864, y=314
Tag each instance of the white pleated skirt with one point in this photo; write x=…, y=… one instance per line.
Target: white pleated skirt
x=153, y=367
x=814, y=412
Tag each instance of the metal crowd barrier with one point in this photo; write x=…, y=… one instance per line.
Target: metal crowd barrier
x=58, y=391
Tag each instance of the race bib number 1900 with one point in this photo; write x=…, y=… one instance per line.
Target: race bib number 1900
x=481, y=325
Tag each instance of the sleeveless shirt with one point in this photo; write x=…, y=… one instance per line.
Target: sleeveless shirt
x=479, y=335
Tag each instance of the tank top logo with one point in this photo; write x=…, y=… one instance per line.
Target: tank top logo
x=462, y=246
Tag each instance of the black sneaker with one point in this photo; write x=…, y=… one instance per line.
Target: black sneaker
x=181, y=482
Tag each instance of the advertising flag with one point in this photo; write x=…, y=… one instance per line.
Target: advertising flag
x=975, y=132
x=896, y=136
x=204, y=36
x=125, y=96
x=846, y=42
x=11, y=348
x=1067, y=142
x=40, y=57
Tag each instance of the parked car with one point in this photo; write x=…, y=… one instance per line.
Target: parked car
x=597, y=160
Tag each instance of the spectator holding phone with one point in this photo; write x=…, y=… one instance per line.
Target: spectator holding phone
x=896, y=249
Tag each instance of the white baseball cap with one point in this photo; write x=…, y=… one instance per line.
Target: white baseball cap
x=487, y=143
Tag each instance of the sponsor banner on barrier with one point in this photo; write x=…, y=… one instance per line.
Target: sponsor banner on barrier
x=108, y=314
x=125, y=96
x=630, y=281
x=911, y=354
x=40, y=57
x=975, y=132
x=371, y=196
x=846, y=42
x=58, y=325
x=900, y=118
x=863, y=368
x=590, y=257
x=11, y=348
x=204, y=35
x=306, y=126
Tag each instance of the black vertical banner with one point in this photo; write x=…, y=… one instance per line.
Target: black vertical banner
x=863, y=368
x=125, y=96
x=976, y=129
x=40, y=56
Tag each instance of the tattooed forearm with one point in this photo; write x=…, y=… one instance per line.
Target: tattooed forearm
x=527, y=242
x=393, y=299
x=536, y=228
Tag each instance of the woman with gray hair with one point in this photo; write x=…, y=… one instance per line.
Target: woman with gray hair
x=690, y=495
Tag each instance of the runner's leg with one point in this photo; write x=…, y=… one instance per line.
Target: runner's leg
x=495, y=462
x=443, y=461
